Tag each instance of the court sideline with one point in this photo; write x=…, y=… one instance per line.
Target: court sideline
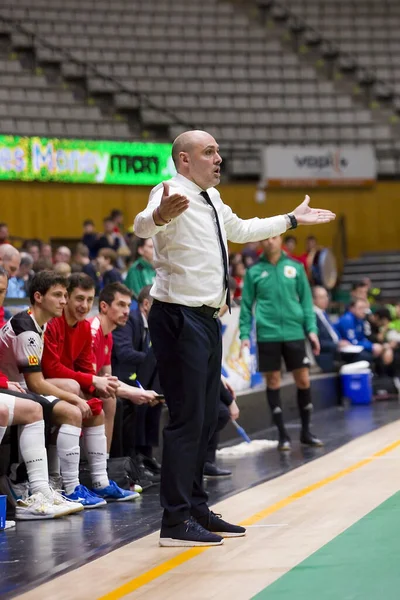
x=289, y=518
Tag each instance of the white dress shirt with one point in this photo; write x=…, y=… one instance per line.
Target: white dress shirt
x=187, y=252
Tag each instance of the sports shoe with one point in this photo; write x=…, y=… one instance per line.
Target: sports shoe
x=9, y=525
x=70, y=506
x=14, y=491
x=113, y=493
x=308, y=439
x=211, y=471
x=188, y=534
x=284, y=444
x=213, y=522
x=84, y=497
x=37, y=507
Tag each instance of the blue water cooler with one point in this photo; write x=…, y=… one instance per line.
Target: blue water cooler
x=357, y=387
x=3, y=510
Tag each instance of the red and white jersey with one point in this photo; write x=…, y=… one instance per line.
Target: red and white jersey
x=21, y=346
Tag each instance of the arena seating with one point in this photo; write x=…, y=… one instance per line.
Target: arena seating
x=179, y=64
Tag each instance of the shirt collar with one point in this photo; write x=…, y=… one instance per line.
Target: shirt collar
x=184, y=181
x=145, y=323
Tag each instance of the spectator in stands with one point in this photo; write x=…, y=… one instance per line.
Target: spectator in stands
x=63, y=268
x=21, y=348
x=373, y=294
x=289, y=246
x=18, y=286
x=359, y=290
x=10, y=259
x=284, y=318
x=238, y=273
x=114, y=304
x=4, y=235
x=107, y=265
x=251, y=253
x=46, y=252
x=3, y=291
x=109, y=239
x=62, y=255
x=67, y=356
x=117, y=217
x=308, y=257
x=43, y=264
x=33, y=248
x=133, y=361
x=395, y=313
x=141, y=272
x=329, y=340
x=351, y=327
x=90, y=238
x=82, y=263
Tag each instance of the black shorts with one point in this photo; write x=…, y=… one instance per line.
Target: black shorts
x=270, y=355
x=46, y=404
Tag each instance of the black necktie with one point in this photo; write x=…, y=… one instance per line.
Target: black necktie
x=223, y=250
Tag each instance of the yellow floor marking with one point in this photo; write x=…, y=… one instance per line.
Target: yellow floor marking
x=187, y=555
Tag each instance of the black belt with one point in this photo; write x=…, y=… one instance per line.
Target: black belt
x=209, y=311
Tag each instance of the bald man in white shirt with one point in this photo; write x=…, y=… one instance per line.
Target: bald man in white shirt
x=190, y=226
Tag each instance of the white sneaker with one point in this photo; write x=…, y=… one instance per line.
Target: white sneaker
x=9, y=525
x=63, y=503
x=14, y=491
x=36, y=508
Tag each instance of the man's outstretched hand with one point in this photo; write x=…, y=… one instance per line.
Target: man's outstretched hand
x=170, y=206
x=312, y=216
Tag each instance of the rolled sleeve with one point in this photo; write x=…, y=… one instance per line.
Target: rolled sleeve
x=242, y=231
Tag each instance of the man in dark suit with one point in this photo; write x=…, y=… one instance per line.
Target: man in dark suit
x=133, y=362
x=328, y=337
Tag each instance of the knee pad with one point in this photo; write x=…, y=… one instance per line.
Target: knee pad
x=9, y=402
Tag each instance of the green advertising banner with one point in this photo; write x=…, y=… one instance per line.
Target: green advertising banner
x=84, y=161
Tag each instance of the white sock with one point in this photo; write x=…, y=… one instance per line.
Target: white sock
x=53, y=461
x=2, y=432
x=33, y=452
x=96, y=449
x=69, y=454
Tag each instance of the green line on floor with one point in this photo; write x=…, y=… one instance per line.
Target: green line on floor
x=362, y=563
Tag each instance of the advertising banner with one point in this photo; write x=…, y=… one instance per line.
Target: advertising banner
x=84, y=161
x=312, y=166
x=240, y=371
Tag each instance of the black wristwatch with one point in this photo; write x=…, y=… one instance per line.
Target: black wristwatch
x=293, y=220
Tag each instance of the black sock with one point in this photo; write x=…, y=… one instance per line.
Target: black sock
x=305, y=407
x=274, y=401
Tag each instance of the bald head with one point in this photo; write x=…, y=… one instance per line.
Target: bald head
x=320, y=297
x=196, y=157
x=9, y=259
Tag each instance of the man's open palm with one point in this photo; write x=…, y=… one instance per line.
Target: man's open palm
x=312, y=216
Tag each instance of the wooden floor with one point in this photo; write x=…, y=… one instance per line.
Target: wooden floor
x=288, y=519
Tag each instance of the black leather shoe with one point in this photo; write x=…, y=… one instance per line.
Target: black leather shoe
x=188, y=534
x=146, y=473
x=214, y=523
x=211, y=471
x=308, y=439
x=151, y=464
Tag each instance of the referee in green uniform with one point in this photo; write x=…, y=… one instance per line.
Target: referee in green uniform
x=284, y=316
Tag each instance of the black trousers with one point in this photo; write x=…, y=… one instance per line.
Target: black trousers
x=223, y=419
x=188, y=348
